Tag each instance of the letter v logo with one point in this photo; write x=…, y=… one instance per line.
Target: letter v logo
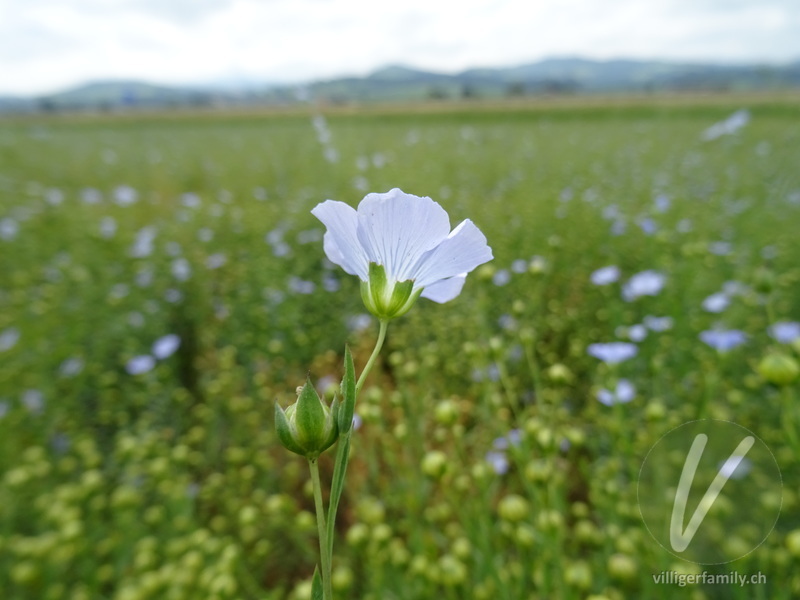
x=680, y=538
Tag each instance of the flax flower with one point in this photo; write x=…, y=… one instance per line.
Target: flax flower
x=401, y=247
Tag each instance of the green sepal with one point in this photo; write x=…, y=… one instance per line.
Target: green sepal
x=387, y=300
x=348, y=387
x=284, y=430
x=398, y=303
x=316, y=585
x=310, y=418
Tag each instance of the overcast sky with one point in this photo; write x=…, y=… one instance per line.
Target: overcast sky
x=46, y=45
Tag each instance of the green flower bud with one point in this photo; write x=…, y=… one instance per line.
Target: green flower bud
x=452, y=571
x=579, y=575
x=462, y=548
x=371, y=510
x=307, y=427
x=655, y=411
x=559, y=373
x=357, y=534
x=446, y=412
x=513, y=508
x=385, y=299
x=793, y=542
x=342, y=578
x=434, y=464
x=381, y=533
x=622, y=567
x=778, y=369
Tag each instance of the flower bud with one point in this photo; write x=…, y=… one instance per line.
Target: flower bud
x=778, y=369
x=793, y=542
x=622, y=567
x=307, y=427
x=560, y=373
x=387, y=299
x=513, y=508
x=434, y=464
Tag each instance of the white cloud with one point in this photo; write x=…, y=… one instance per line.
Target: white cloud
x=48, y=44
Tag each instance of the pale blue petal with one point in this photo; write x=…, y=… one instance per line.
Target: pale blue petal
x=605, y=397
x=625, y=391
x=445, y=290
x=340, y=242
x=463, y=250
x=396, y=229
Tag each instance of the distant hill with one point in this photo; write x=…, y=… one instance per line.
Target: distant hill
x=402, y=83
x=557, y=76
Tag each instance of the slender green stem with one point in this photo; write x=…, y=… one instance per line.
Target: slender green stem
x=343, y=446
x=339, y=470
x=324, y=546
x=378, y=345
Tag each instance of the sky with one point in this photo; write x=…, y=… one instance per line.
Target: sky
x=50, y=45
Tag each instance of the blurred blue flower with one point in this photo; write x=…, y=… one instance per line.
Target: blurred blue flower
x=727, y=127
x=108, y=227
x=140, y=364
x=71, y=367
x=723, y=339
x=610, y=212
x=647, y=225
x=91, y=196
x=735, y=466
x=166, y=346
x=501, y=278
x=613, y=352
x=735, y=288
x=357, y=421
x=658, y=323
x=143, y=245
x=637, y=333
x=716, y=303
x=125, y=195
x=9, y=338
x=512, y=438
x=357, y=323
x=624, y=393
x=33, y=400
x=498, y=461
x=605, y=275
x=216, y=260
x=520, y=265
x=645, y=283
x=301, y=286
x=8, y=229
x=662, y=203
x=720, y=248
x=785, y=332
x=181, y=269
x=507, y=322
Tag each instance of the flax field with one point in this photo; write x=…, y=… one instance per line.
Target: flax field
x=163, y=283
